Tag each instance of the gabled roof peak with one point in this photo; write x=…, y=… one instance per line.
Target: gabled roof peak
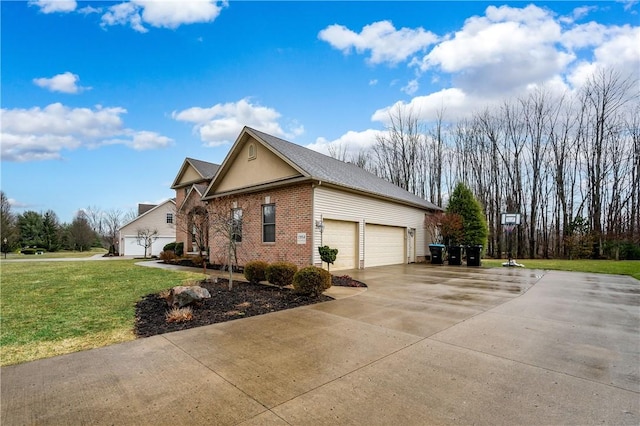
x=323, y=168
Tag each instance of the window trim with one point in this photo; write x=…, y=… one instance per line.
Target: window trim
x=270, y=224
x=169, y=218
x=236, y=224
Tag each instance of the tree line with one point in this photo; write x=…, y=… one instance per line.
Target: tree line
x=91, y=227
x=569, y=164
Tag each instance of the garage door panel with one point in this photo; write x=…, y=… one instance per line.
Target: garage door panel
x=132, y=248
x=342, y=235
x=384, y=245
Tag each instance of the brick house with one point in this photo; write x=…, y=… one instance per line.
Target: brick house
x=190, y=184
x=281, y=201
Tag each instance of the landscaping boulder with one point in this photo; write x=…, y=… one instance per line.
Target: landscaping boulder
x=185, y=295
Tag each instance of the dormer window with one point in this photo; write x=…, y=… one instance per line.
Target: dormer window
x=252, y=151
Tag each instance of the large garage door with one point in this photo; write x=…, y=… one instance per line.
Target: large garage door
x=343, y=236
x=132, y=248
x=384, y=245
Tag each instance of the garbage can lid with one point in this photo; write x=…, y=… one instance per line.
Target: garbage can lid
x=436, y=245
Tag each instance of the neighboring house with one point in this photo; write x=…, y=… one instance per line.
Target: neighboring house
x=159, y=217
x=190, y=184
x=287, y=200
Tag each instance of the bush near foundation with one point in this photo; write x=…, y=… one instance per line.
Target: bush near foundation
x=311, y=280
x=256, y=271
x=281, y=273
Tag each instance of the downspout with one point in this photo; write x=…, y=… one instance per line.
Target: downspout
x=364, y=243
x=313, y=223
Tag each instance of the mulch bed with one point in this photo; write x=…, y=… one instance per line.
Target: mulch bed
x=244, y=300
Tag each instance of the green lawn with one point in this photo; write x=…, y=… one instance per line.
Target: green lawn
x=52, y=308
x=55, y=254
x=621, y=267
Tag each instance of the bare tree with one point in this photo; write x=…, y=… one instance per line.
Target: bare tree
x=397, y=152
x=112, y=220
x=145, y=237
x=604, y=95
x=226, y=224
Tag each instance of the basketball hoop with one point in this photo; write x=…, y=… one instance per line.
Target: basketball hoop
x=509, y=221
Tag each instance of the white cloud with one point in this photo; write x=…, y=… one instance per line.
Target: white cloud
x=43, y=133
x=385, y=43
x=455, y=103
x=617, y=49
x=373, y=82
x=162, y=14
x=221, y=123
x=351, y=142
x=621, y=49
x=411, y=87
x=88, y=10
x=53, y=6
x=584, y=35
x=504, y=50
x=123, y=14
x=65, y=83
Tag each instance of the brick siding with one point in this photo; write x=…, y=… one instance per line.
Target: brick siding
x=293, y=215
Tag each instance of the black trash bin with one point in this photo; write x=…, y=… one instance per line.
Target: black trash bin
x=454, y=255
x=473, y=255
x=436, y=253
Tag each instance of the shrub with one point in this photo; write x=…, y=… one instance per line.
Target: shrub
x=179, y=315
x=311, y=280
x=167, y=255
x=255, y=271
x=179, y=249
x=327, y=254
x=281, y=273
x=170, y=247
x=32, y=250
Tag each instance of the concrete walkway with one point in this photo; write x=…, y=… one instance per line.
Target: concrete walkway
x=423, y=345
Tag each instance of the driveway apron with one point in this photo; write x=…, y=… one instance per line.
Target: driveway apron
x=422, y=345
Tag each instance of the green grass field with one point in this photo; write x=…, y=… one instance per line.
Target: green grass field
x=55, y=254
x=53, y=308
x=621, y=267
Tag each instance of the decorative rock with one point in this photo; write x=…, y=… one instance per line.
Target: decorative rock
x=185, y=295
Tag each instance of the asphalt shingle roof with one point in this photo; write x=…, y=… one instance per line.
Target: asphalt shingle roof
x=206, y=169
x=330, y=170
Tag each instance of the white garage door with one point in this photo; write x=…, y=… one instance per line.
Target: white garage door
x=343, y=236
x=384, y=245
x=131, y=247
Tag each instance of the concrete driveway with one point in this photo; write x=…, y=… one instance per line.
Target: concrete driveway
x=423, y=345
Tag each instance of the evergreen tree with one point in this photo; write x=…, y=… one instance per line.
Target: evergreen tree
x=474, y=225
x=31, y=229
x=50, y=231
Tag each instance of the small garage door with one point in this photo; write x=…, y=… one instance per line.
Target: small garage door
x=131, y=247
x=384, y=245
x=343, y=236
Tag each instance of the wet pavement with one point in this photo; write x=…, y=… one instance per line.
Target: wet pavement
x=422, y=345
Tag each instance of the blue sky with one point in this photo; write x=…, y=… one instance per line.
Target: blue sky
x=102, y=101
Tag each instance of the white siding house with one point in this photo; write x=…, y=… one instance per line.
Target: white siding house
x=161, y=218
x=385, y=232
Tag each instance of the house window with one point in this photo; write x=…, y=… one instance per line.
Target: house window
x=252, y=151
x=169, y=217
x=236, y=225
x=269, y=223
